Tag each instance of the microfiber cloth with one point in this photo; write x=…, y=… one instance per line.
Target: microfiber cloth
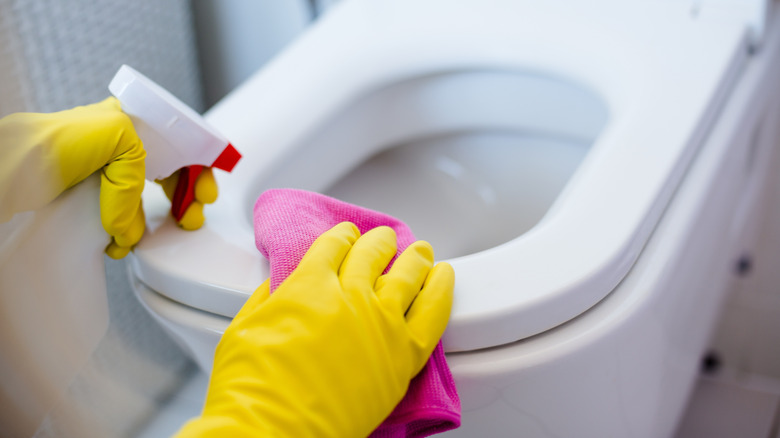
x=287, y=222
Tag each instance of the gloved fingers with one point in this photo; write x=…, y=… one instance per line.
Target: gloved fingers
x=327, y=253
x=430, y=312
x=206, y=190
x=120, y=207
x=121, y=185
x=115, y=251
x=121, y=244
x=397, y=289
x=205, y=193
x=169, y=184
x=254, y=301
x=123, y=176
x=368, y=258
x=193, y=217
x=134, y=231
x=119, y=204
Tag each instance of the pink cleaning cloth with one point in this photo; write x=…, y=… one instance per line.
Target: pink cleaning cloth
x=287, y=222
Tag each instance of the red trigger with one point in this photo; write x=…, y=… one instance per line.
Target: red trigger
x=185, y=190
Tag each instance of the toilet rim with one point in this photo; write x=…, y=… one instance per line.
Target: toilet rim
x=548, y=275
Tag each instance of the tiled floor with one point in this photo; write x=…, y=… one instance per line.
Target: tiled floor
x=184, y=405
x=722, y=406
x=732, y=406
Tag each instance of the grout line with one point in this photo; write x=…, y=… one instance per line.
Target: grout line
x=749, y=381
x=752, y=382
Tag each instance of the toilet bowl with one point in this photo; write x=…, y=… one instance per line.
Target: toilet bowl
x=590, y=177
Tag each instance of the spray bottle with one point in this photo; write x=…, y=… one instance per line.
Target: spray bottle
x=174, y=135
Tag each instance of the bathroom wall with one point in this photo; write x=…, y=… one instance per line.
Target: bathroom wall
x=748, y=335
x=236, y=37
x=57, y=54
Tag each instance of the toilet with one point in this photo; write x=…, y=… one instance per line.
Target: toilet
x=592, y=171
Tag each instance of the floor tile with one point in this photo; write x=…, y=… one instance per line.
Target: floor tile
x=725, y=409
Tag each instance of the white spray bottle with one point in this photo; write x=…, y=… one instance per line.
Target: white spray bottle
x=174, y=135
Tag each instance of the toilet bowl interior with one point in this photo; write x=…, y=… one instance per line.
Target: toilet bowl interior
x=465, y=192
x=469, y=159
x=385, y=81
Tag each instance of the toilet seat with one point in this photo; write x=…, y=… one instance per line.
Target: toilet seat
x=661, y=99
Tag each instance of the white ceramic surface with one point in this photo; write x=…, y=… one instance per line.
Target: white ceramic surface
x=626, y=366
x=559, y=68
x=52, y=301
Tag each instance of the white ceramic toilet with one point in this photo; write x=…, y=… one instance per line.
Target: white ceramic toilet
x=590, y=169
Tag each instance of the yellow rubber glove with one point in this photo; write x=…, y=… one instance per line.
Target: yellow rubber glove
x=42, y=155
x=332, y=351
x=205, y=193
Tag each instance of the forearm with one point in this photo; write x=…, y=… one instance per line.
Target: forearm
x=28, y=174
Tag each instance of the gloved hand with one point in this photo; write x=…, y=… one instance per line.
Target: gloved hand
x=44, y=154
x=332, y=351
x=205, y=193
